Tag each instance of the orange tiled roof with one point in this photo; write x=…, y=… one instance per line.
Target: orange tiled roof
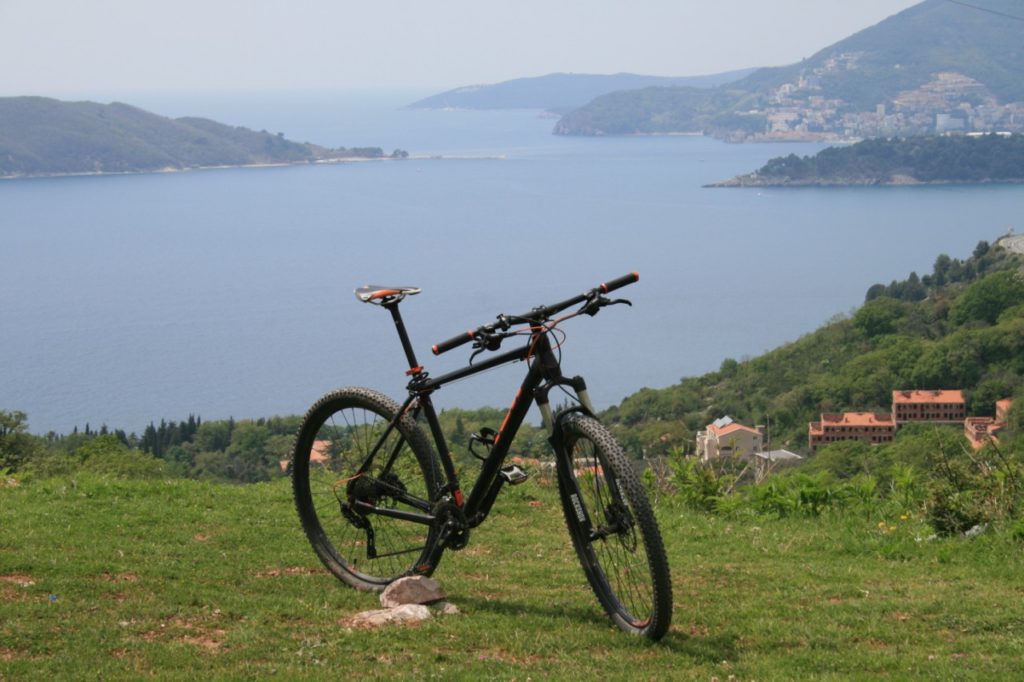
x=729, y=428
x=954, y=396
x=320, y=451
x=1004, y=405
x=857, y=419
x=318, y=454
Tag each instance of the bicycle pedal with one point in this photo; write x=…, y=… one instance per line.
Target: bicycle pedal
x=513, y=474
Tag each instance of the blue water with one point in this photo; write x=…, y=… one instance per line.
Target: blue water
x=129, y=299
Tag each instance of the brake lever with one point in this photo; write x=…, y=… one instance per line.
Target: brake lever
x=592, y=306
x=486, y=342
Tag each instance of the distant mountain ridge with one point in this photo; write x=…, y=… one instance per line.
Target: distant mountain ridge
x=935, y=66
x=42, y=136
x=561, y=92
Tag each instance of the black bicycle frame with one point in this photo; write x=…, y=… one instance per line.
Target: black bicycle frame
x=543, y=374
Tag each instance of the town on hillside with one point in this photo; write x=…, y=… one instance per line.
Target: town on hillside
x=950, y=102
x=727, y=438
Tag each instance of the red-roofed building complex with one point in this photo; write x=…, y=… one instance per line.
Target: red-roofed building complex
x=867, y=426
x=939, y=407
x=943, y=407
x=981, y=430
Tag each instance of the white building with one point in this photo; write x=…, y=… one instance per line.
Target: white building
x=726, y=438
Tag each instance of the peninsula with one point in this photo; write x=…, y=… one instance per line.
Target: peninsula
x=562, y=92
x=44, y=137
x=947, y=159
x=936, y=67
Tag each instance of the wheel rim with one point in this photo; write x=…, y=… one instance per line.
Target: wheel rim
x=396, y=479
x=616, y=548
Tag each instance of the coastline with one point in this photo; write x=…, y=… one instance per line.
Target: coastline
x=281, y=164
x=753, y=181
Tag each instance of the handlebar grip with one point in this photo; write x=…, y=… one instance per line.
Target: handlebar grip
x=619, y=282
x=453, y=342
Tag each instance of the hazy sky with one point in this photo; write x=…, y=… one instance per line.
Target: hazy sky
x=56, y=46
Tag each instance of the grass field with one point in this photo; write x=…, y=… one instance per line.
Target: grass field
x=104, y=579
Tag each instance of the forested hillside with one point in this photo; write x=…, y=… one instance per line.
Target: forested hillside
x=937, y=58
x=42, y=136
x=885, y=161
x=960, y=326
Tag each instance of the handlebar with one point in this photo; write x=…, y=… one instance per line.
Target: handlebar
x=537, y=314
x=454, y=342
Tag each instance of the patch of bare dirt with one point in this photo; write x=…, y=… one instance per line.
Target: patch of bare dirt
x=203, y=636
x=119, y=577
x=290, y=570
x=19, y=579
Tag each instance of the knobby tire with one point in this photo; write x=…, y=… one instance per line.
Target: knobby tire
x=613, y=529
x=335, y=438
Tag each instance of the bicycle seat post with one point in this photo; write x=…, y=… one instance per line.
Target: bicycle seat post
x=403, y=335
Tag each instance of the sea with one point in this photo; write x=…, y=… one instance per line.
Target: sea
x=130, y=299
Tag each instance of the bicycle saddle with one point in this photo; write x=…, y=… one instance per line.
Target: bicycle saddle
x=374, y=293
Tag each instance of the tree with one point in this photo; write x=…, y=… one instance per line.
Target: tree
x=17, y=446
x=214, y=436
x=879, y=316
x=988, y=297
x=108, y=455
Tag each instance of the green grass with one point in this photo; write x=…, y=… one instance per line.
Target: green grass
x=103, y=579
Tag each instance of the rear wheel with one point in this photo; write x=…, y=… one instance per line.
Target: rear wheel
x=348, y=462
x=613, y=529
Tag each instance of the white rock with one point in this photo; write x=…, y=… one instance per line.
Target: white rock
x=406, y=613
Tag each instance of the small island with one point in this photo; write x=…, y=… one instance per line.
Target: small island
x=40, y=136
x=922, y=160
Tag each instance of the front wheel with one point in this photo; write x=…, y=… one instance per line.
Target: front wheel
x=613, y=529
x=358, y=475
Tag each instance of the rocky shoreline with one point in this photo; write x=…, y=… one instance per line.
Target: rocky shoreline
x=755, y=180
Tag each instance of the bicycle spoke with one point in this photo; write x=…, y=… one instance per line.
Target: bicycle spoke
x=614, y=550
x=342, y=481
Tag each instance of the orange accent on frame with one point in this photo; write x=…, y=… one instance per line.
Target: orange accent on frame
x=459, y=500
x=413, y=370
x=508, y=415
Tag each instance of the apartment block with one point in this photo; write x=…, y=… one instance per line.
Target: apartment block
x=943, y=407
x=981, y=430
x=871, y=427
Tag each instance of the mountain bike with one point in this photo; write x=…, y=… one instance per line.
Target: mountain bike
x=378, y=500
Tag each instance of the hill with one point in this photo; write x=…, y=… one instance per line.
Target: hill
x=560, y=92
x=42, y=136
x=935, y=66
x=961, y=326
x=897, y=161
